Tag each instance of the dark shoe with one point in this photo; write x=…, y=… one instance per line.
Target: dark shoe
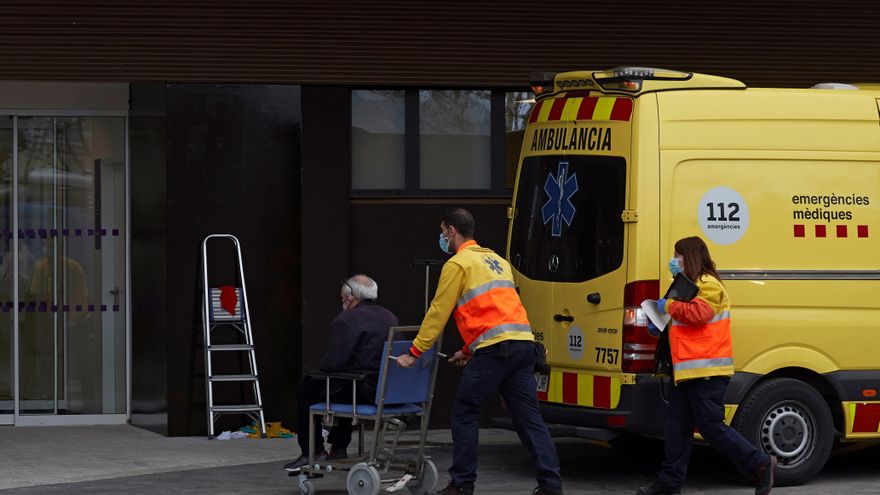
x=332, y=455
x=297, y=464
x=546, y=491
x=656, y=488
x=765, y=476
x=451, y=489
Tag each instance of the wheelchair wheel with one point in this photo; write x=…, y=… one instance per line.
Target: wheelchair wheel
x=427, y=481
x=305, y=486
x=363, y=479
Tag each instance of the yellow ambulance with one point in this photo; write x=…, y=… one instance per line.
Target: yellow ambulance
x=782, y=184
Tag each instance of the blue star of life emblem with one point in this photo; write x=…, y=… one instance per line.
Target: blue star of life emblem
x=559, y=207
x=494, y=265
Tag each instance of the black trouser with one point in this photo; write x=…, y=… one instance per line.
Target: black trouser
x=312, y=391
x=507, y=367
x=700, y=403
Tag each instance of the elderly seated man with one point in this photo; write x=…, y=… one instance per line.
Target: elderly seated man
x=354, y=345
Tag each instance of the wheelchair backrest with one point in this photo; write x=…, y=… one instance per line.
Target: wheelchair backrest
x=405, y=385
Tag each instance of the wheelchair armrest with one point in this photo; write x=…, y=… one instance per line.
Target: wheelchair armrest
x=339, y=375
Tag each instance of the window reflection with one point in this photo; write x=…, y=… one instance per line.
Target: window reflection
x=454, y=128
x=377, y=139
x=517, y=107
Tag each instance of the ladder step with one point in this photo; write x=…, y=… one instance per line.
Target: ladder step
x=230, y=347
x=236, y=408
x=234, y=378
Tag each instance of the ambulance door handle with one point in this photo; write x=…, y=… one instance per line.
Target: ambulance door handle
x=563, y=318
x=594, y=298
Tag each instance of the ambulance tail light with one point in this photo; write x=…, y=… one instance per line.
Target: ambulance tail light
x=638, y=344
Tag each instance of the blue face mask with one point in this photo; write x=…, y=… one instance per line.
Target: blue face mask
x=675, y=265
x=444, y=244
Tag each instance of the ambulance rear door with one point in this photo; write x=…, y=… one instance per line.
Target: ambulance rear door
x=568, y=236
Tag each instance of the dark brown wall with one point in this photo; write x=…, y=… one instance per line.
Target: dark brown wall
x=149, y=267
x=326, y=175
x=440, y=42
x=232, y=165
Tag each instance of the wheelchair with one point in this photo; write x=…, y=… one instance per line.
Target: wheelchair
x=403, y=394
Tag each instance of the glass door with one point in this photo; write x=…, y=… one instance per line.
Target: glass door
x=7, y=272
x=70, y=240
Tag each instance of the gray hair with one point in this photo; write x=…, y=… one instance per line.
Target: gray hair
x=361, y=287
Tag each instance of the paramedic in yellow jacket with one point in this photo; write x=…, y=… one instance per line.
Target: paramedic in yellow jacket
x=702, y=364
x=499, y=353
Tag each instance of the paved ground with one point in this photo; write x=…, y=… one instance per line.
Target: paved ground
x=111, y=460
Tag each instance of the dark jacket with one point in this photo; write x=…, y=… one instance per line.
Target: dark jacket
x=356, y=339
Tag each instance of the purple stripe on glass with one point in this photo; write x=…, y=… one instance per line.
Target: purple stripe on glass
x=116, y=232
x=115, y=307
x=78, y=232
x=103, y=307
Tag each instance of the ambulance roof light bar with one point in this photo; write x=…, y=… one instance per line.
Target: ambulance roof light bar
x=542, y=82
x=630, y=79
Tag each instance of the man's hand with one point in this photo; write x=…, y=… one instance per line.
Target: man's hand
x=459, y=359
x=406, y=361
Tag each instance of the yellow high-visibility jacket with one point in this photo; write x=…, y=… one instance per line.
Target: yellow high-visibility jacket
x=476, y=287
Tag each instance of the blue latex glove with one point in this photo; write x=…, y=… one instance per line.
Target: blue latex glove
x=652, y=329
x=661, y=306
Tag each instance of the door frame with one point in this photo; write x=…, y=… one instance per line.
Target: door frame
x=79, y=419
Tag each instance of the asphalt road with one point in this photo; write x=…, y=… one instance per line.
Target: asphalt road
x=504, y=469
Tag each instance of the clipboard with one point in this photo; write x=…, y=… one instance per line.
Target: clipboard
x=682, y=289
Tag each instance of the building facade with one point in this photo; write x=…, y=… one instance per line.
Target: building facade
x=329, y=137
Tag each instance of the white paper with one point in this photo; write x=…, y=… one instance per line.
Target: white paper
x=657, y=318
x=400, y=483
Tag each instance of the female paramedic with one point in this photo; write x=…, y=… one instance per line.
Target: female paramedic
x=702, y=364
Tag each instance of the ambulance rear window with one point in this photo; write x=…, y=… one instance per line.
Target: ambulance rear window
x=568, y=226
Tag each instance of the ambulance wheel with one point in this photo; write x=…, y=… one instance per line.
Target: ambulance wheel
x=427, y=481
x=789, y=419
x=363, y=479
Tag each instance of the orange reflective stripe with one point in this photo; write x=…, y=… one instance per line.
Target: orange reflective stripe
x=699, y=351
x=490, y=309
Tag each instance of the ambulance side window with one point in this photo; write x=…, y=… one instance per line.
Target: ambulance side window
x=568, y=226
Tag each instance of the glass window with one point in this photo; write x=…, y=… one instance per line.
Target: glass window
x=377, y=139
x=567, y=226
x=454, y=144
x=517, y=107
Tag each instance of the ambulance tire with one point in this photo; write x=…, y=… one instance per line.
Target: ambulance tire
x=790, y=420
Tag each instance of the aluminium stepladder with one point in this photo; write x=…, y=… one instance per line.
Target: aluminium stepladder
x=216, y=315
